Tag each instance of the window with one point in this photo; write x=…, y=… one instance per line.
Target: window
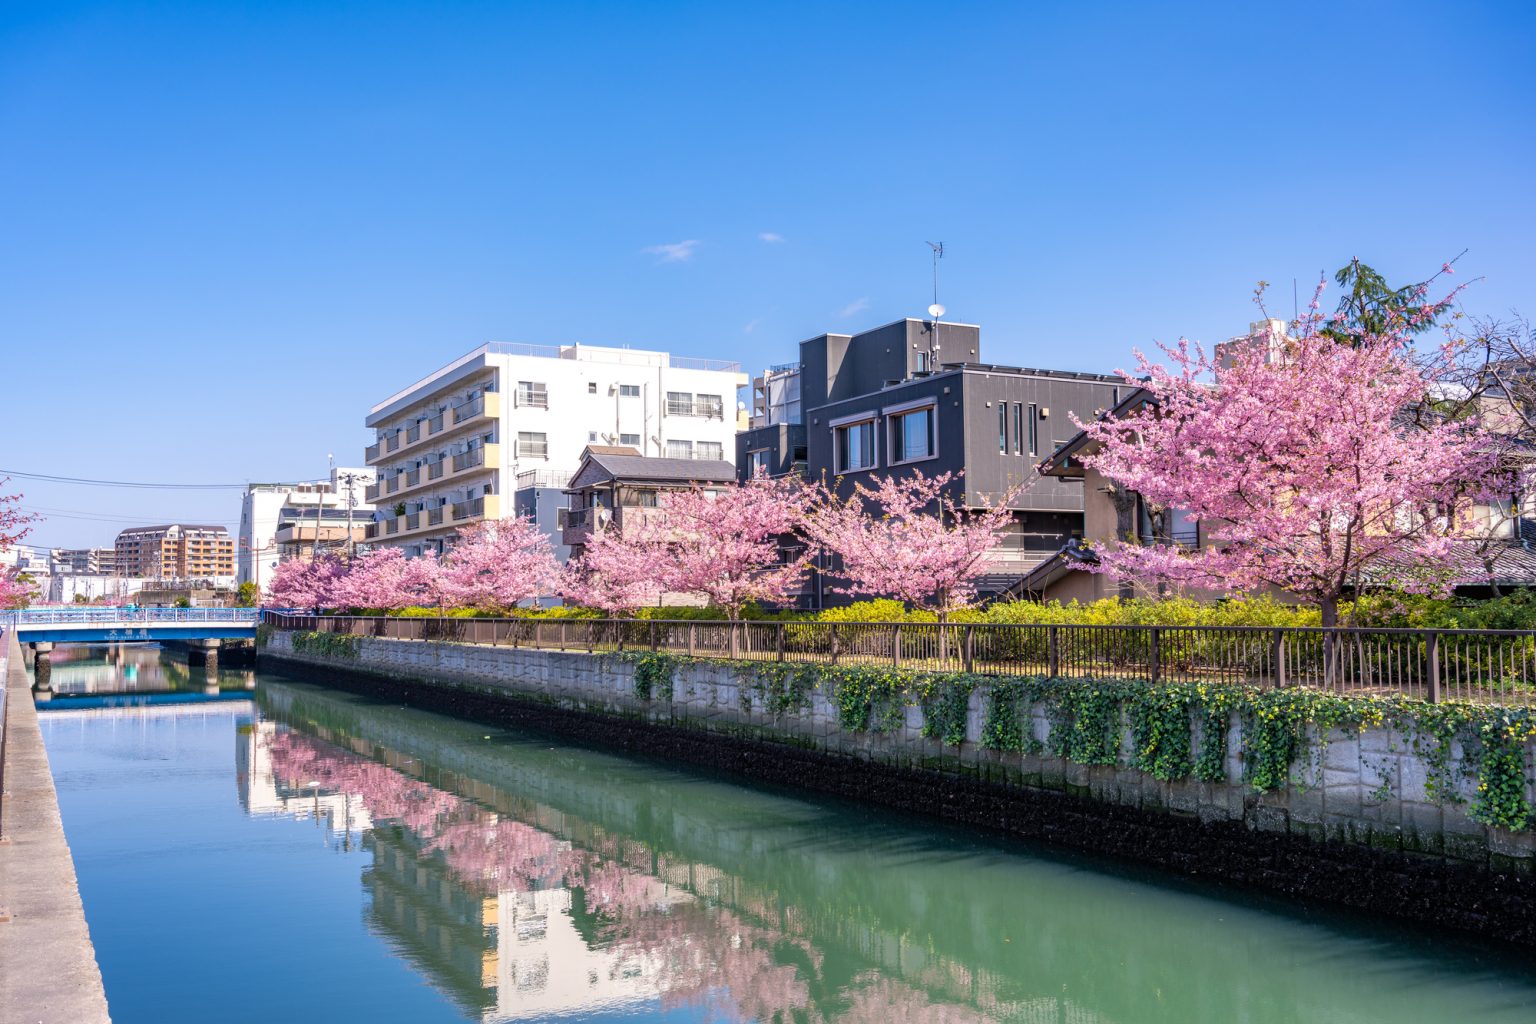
x=711, y=405
x=679, y=449
x=711, y=450
x=758, y=462
x=591, y=437
x=532, y=445
x=1034, y=429
x=854, y=446
x=629, y=390
x=633, y=440
x=532, y=394
x=679, y=403
x=1002, y=427
x=591, y=387
x=912, y=435
x=646, y=499
x=1018, y=428
x=922, y=362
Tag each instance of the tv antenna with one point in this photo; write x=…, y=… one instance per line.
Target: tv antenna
x=935, y=311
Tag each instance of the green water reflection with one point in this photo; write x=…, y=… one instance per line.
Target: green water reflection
x=522, y=879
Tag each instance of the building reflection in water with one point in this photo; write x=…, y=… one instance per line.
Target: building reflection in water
x=515, y=922
x=80, y=669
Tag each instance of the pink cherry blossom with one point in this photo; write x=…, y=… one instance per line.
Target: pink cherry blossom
x=1306, y=474
x=910, y=537
x=498, y=564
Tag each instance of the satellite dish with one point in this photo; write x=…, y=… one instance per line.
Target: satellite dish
x=935, y=311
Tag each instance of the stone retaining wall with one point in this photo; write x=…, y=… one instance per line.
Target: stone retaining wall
x=1359, y=828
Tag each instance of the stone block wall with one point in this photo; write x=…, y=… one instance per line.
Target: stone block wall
x=1363, y=789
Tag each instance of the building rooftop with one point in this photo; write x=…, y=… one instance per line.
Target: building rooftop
x=584, y=353
x=661, y=470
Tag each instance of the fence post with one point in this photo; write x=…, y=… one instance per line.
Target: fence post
x=1277, y=659
x=896, y=644
x=970, y=648
x=692, y=633
x=652, y=623
x=1432, y=654
x=565, y=633
x=778, y=639
x=833, y=627
x=1053, y=651
x=1156, y=655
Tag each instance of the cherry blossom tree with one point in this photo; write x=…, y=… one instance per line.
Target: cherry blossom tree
x=1311, y=471
x=497, y=564
x=911, y=538
x=16, y=591
x=385, y=578
x=305, y=583
x=619, y=571
x=722, y=544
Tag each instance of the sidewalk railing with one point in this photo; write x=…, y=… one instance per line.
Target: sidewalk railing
x=1494, y=666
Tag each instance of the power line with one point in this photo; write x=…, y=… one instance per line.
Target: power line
x=71, y=513
x=120, y=483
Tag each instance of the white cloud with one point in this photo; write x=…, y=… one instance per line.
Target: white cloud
x=673, y=252
x=856, y=306
x=752, y=325
x=770, y=236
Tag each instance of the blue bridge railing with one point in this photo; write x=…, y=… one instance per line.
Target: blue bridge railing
x=113, y=616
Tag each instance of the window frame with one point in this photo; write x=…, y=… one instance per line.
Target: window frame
x=840, y=426
x=895, y=418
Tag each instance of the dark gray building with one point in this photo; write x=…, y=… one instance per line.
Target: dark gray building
x=917, y=395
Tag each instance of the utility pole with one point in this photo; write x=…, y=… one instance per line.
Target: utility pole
x=351, y=480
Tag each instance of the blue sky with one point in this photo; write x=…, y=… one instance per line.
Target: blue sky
x=231, y=228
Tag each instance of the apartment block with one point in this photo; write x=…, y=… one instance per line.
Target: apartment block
x=458, y=445
x=176, y=551
x=84, y=561
x=284, y=520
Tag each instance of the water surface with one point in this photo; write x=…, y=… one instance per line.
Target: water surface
x=307, y=855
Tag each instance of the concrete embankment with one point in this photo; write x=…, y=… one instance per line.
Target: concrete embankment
x=48, y=971
x=1374, y=823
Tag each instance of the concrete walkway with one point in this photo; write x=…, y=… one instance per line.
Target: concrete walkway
x=48, y=972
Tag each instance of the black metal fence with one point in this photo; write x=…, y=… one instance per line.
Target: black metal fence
x=1496, y=666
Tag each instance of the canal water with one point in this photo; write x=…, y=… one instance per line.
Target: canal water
x=256, y=849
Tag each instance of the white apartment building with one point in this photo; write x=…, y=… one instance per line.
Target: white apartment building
x=452, y=448
x=280, y=520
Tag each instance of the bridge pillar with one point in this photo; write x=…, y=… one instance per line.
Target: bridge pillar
x=42, y=665
x=204, y=652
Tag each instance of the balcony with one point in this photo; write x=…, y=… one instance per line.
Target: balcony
x=469, y=460
x=474, y=462
x=471, y=509
x=533, y=449
x=477, y=412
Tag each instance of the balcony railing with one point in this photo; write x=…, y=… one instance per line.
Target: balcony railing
x=370, y=531
x=435, y=469
x=583, y=518
x=468, y=460
x=412, y=520
x=435, y=424
x=468, y=509
x=391, y=442
x=435, y=516
x=391, y=527
x=469, y=410
x=533, y=449
x=412, y=477
x=371, y=452
x=413, y=433
x=532, y=399
x=543, y=478
x=710, y=410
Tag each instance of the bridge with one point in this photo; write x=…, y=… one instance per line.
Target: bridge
x=121, y=626
x=203, y=629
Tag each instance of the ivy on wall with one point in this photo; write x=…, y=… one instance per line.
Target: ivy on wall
x=654, y=674
x=324, y=644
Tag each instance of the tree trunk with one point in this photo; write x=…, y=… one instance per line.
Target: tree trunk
x=1329, y=606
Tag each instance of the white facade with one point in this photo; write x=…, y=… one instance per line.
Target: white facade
x=450, y=447
x=64, y=587
x=266, y=509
